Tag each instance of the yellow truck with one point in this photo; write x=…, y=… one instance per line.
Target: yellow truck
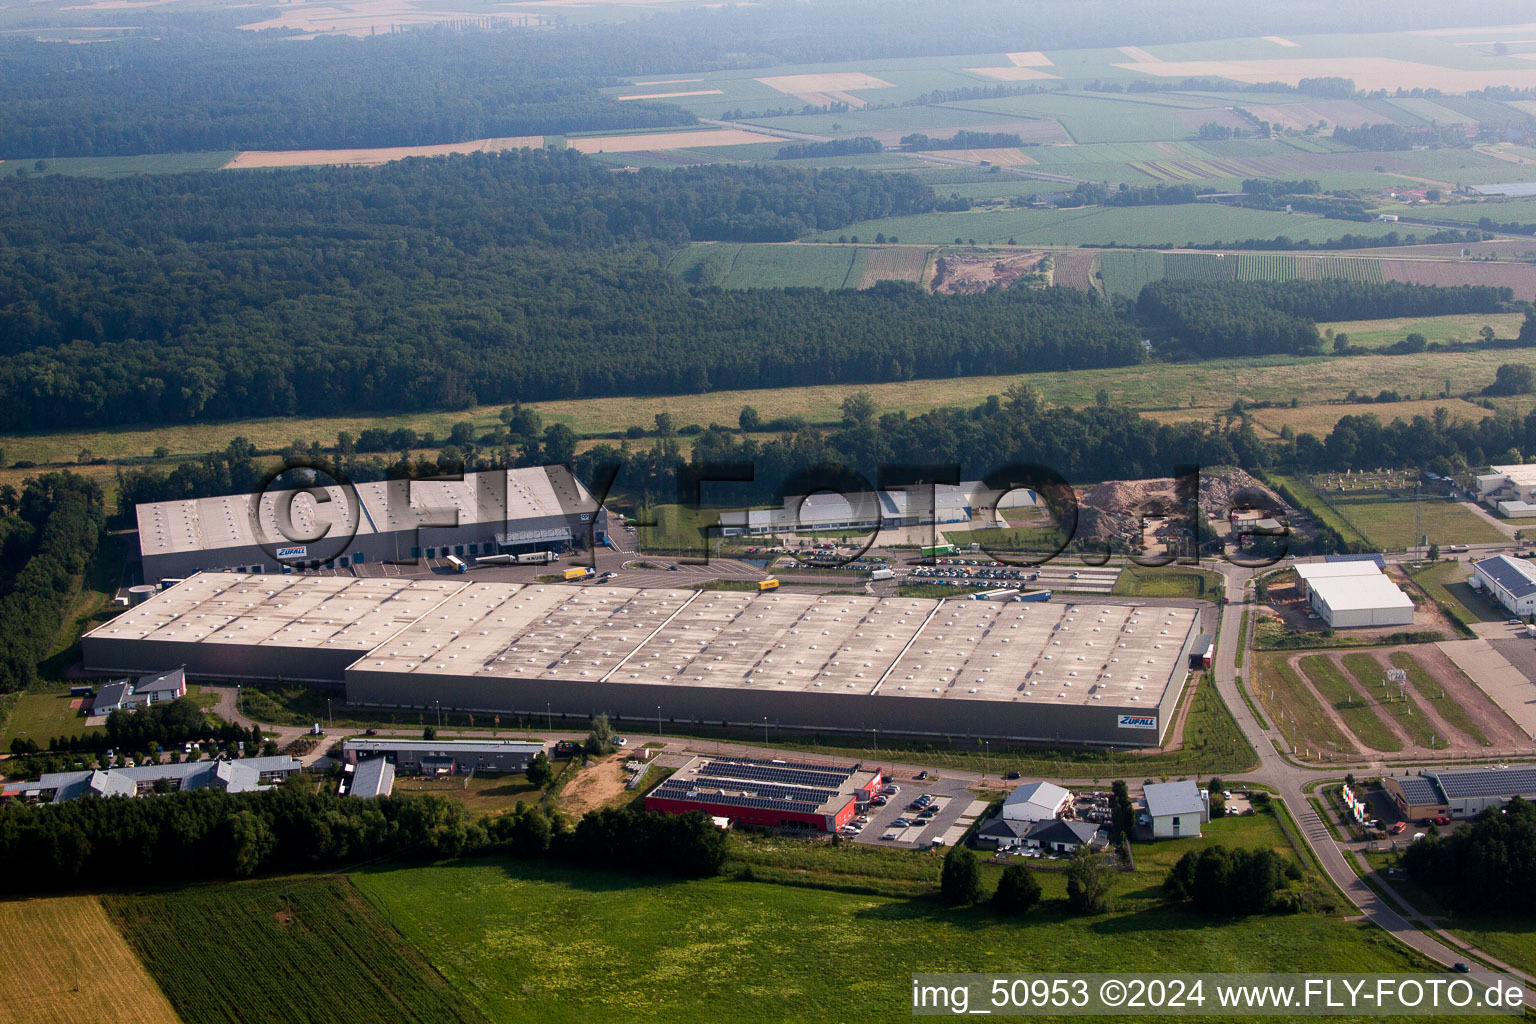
x=578, y=574
x=767, y=584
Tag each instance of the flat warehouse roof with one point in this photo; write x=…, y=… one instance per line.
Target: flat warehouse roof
x=496, y=496
x=1090, y=654
x=284, y=611
x=1354, y=593
x=1310, y=571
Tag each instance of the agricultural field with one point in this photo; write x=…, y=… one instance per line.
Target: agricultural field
x=1319, y=419
x=283, y=951
x=722, y=949
x=62, y=961
x=1194, y=225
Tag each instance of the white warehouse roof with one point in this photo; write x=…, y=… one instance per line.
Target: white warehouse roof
x=1310, y=571
x=1359, y=593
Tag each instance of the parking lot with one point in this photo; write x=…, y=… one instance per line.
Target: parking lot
x=951, y=798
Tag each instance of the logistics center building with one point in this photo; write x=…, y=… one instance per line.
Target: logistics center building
x=1095, y=672
x=512, y=511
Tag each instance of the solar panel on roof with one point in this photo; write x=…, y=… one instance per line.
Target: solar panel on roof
x=1503, y=782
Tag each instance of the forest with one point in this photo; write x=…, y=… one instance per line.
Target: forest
x=444, y=283
x=1484, y=866
x=196, y=83
x=1207, y=319
x=50, y=531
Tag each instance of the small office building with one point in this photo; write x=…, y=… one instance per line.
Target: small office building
x=1509, y=581
x=1177, y=808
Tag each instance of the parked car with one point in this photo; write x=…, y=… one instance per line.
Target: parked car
x=621, y=741
x=1442, y=820
x=1398, y=828
x=922, y=774
x=1013, y=775
x=889, y=835
x=901, y=822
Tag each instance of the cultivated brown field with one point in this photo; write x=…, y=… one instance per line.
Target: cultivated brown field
x=1030, y=59
x=1010, y=157
x=1280, y=41
x=1137, y=53
x=894, y=263
x=373, y=157
x=1073, y=268
x=1519, y=276
x=367, y=17
x=830, y=82
x=666, y=140
x=1319, y=419
x=63, y=962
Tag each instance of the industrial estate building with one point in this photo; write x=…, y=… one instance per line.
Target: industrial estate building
x=496, y=512
x=242, y=776
x=771, y=794
x=1509, y=581
x=1177, y=808
x=1510, y=489
x=936, y=504
x=443, y=757
x=1095, y=672
x=370, y=779
x=1036, y=801
x=1459, y=794
x=1354, y=593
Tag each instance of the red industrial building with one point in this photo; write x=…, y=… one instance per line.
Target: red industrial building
x=772, y=794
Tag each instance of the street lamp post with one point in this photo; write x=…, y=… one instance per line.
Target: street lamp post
x=765, y=730
x=658, y=720
x=439, y=706
x=549, y=718
x=986, y=759
x=330, y=720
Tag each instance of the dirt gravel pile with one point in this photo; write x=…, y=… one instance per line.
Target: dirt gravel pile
x=1113, y=509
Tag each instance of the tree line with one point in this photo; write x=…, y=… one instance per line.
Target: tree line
x=836, y=147
x=1484, y=866
x=209, y=834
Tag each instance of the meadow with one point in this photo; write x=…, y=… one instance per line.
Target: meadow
x=1156, y=386
x=1390, y=525
x=1197, y=224
x=1459, y=327
x=283, y=951
x=723, y=949
x=1434, y=694
x=40, y=715
x=1368, y=674
x=63, y=962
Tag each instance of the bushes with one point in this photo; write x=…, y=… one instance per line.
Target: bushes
x=960, y=878
x=1017, y=891
x=1486, y=866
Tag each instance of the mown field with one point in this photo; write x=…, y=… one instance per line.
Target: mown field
x=1461, y=327
x=1434, y=694
x=62, y=961
x=1199, y=224
x=42, y=715
x=1390, y=525
x=1310, y=381
x=283, y=951
x=1293, y=708
x=506, y=933
x=1352, y=706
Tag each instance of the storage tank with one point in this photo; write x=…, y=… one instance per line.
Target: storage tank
x=142, y=592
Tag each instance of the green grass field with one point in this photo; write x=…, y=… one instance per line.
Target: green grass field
x=1390, y=525
x=539, y=941
x=1461, y=327
x=283, y=951
x=1141, y=581
x=1198, y=224
x=42, y=715
x=122, y=166
x=1446, y=582
x=1293, y=708
x=1353, y=707
x=1433, y=694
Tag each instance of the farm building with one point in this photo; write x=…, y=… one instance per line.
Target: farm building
x=1177, y=808
x=1096, y=672
x=771, y=794
x=1509, y=581
x=443, y=757
x=870, y=510
x=1354, y=593
x=1510, y=489
x=1459, y=794
x=246, y=775
x=495, y=512
x=1036, y=801
x=123, y=695
x=372, y=778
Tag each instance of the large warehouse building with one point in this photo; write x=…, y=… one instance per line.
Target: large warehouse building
x=939, y=505
x=544, y=508
x=1095, y=672
x=1350, y=594
x=772, y=794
